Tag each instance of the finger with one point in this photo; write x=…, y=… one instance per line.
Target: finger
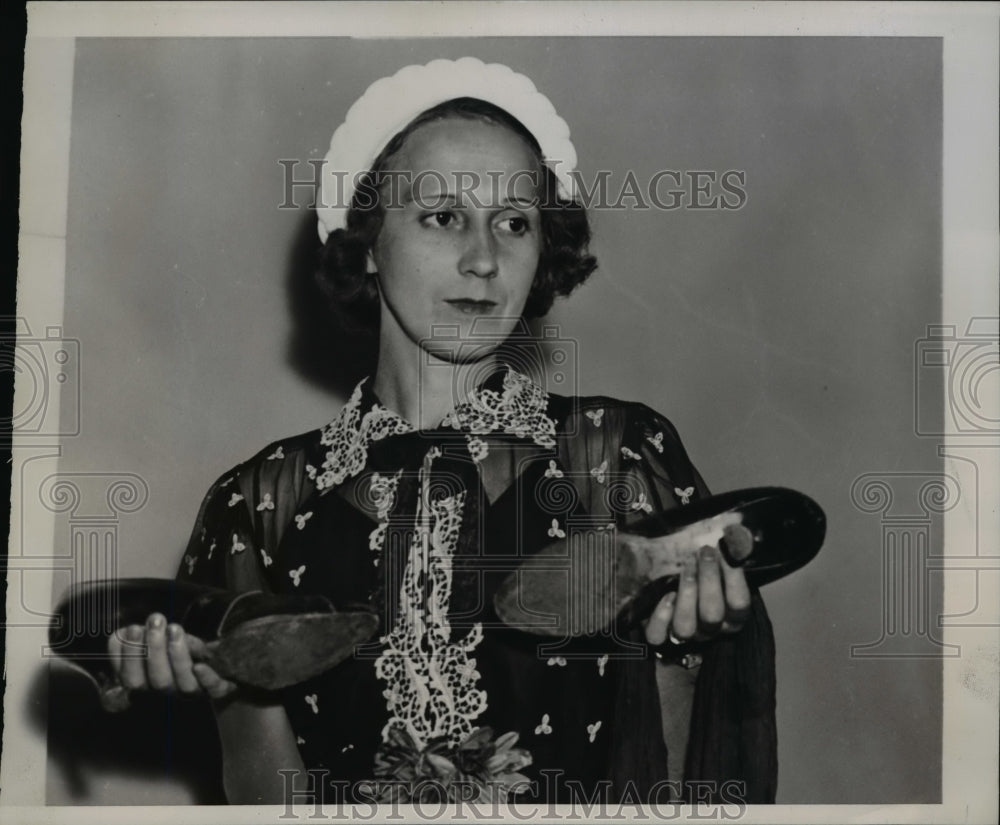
x=115, y=644
x=157, y=664
x=180, y=660
x=685, y=619
x=658, y=625
x=737, y=598
x=196, y=647
x=711, y=598
x=133, y=661
x=211, y=682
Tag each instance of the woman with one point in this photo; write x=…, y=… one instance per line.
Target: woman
x=444, y=470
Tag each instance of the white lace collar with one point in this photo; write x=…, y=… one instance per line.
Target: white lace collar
x=518, y=410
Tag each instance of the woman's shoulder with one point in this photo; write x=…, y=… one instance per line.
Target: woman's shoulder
x=610, y=437
x=609, y=413
x=632, y=429
x=288, y=456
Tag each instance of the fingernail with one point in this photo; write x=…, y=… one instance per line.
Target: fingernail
x=173, y=632
x=707, y=553
x=156, y=621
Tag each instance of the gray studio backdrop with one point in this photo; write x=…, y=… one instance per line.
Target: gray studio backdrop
x=778, y=337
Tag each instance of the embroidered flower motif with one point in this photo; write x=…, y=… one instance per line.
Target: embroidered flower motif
x=211, y=548
x=593, y=729
x=277, y=454
x=544, y=727
x=204, y=532
x=313, y=701
x=558, y=661
x=553, y=471
x=296, y=575
x=235, y=499
x=190, y=561
x=602, y=662
x=600, y=472
x=267, y=559
x=311, y=472
x=656, y=441
x=685, y=494
x=627, y=453
x=266, y=504
x=228, y=481
x=595, y=416
x=301, y=519
x=478, y=449
x=392, y=694
x=238, y=546
x=555, y=531
x=347, y=748
x=467, y=670
x=299, y=740
x=641, y=504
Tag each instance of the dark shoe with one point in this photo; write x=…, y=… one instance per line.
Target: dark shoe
x=582, y=585
x=261, y=640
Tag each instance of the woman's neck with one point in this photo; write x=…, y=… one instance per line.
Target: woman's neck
x=422, y=388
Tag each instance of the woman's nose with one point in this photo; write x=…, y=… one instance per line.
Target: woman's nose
x=480, y=255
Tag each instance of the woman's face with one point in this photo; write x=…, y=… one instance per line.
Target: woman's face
x=460, y=239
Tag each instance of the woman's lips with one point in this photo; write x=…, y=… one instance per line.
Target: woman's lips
x=472, y=307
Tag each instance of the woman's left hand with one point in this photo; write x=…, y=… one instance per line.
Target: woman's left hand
x=712, y=597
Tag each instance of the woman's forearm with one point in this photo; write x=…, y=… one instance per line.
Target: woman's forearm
x=257, y=743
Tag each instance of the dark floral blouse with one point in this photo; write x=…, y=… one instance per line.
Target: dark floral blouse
x=421, y=527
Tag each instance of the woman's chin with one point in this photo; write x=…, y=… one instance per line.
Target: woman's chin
x=460, y=349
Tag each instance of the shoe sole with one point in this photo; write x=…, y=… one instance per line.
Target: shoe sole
x=582, y=585
x=274, y=652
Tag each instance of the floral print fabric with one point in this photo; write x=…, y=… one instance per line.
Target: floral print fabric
x=421, y=527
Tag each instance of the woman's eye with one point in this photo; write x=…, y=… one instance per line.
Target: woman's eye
x=516, y=225
x=441, y=219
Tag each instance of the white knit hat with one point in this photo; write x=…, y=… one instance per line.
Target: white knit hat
x=390, y=103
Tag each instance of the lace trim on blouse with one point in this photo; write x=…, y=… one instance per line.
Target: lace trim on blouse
x=430, y=680
x=349, y=435
x=519, y=410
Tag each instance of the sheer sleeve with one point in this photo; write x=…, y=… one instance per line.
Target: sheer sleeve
x=223, y=550
x=733, y=735
x=654, y=460
x=236, y=540
x=630, y=464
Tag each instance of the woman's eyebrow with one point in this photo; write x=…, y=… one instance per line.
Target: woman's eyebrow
x=519, y=202
x=435, y=198
x=448, y=198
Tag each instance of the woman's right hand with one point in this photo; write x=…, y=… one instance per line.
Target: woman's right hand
x=161, y=656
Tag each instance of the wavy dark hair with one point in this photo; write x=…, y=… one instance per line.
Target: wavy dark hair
x=564, y=262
